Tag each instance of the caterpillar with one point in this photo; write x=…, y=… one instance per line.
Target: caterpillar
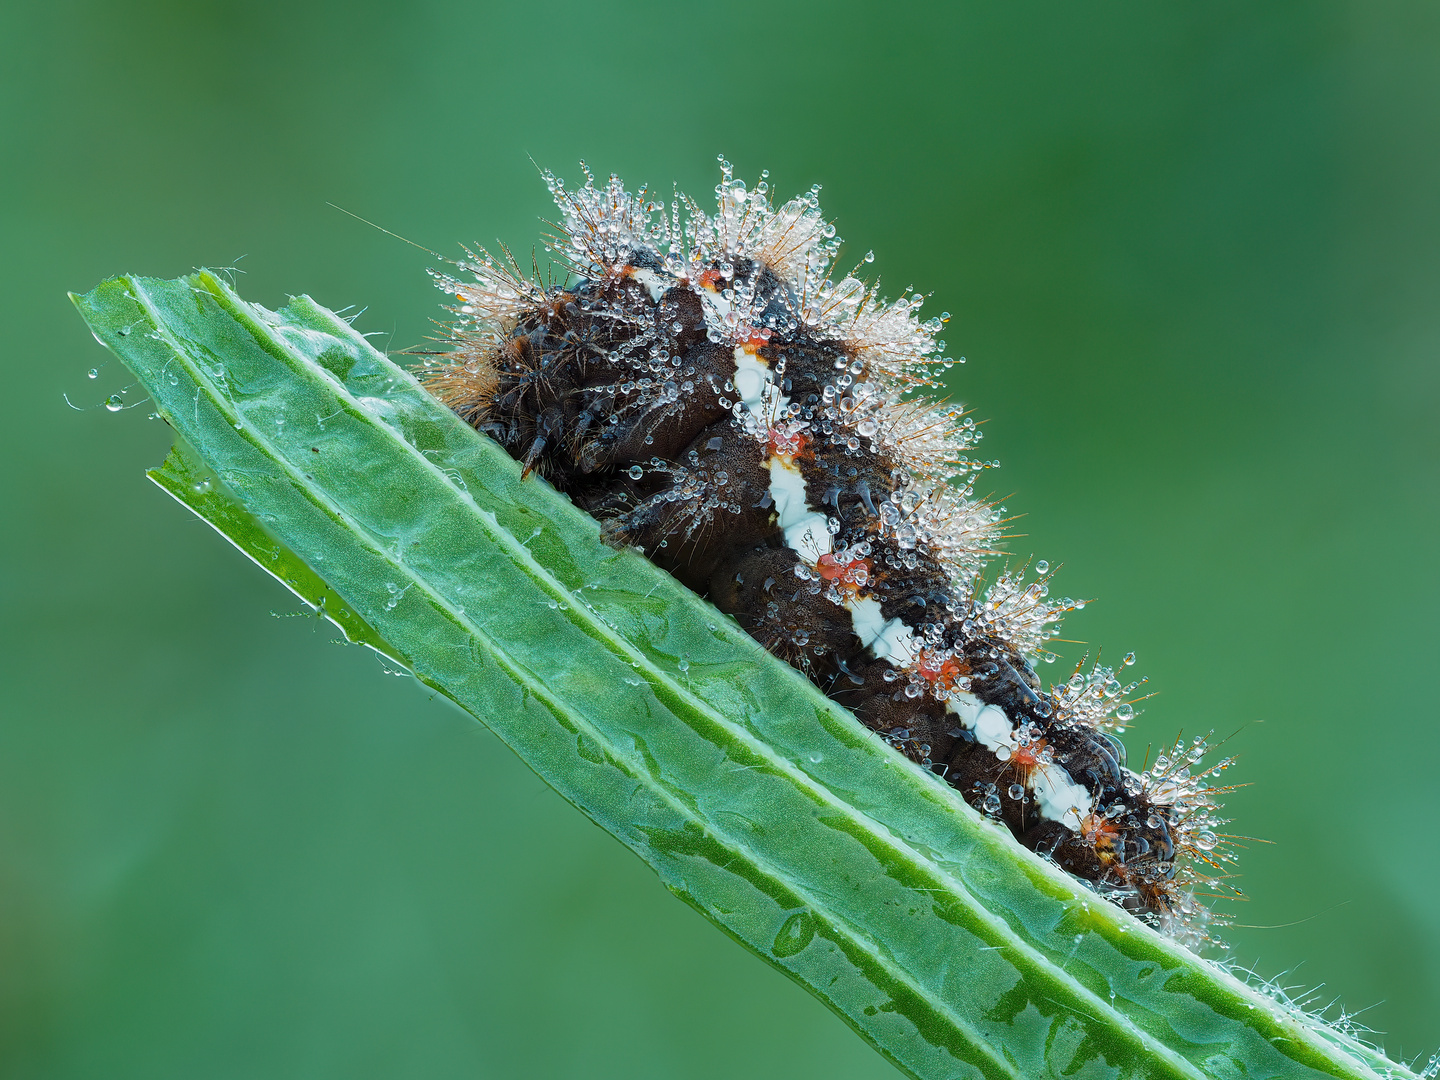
x=705, y=386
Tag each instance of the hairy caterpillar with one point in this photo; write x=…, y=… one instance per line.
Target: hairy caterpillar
x=706, y=388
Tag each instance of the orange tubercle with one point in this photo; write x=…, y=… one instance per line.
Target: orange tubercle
x=1028, y=756
x=1100, y=831
x=939, y=668
x=851, y=575
x=756, y=339
x=788, y=444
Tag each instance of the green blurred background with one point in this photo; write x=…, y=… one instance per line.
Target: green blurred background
x=1193, y=251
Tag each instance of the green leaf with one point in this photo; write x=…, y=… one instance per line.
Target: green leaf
x=948, y=947
x=188, y=480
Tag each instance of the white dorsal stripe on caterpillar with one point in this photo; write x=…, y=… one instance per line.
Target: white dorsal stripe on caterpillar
x=706, y=388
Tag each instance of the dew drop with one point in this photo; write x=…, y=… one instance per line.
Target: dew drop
x=93, y=373
x=796, y=933
x=114, y=403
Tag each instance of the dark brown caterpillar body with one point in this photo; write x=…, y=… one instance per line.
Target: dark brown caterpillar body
x=709, y=393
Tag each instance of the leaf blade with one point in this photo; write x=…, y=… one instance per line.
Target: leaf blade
x=185, y=478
